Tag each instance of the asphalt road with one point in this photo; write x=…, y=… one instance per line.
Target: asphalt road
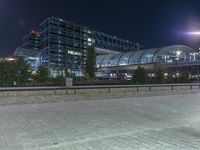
x=143, y=123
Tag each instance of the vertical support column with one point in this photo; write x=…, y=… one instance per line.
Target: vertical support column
x=109, y=90
x=149, y=88
x=67, y=91
x=137, y=89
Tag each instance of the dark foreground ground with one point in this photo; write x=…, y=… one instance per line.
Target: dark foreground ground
x=142, y=123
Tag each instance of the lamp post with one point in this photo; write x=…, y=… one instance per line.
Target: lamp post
x=178, y=54
x=68, y=79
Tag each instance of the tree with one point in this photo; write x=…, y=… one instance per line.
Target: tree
x=91, y=62
x=60, y=80
x=23, y=71
x=7, y=72
x=184, y=78
x=159, y=76
x=42, y=74
x=140, y=76
x=14, y=72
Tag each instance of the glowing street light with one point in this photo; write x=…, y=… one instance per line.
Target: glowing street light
x=194, y=33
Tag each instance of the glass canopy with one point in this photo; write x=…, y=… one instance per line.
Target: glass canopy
x=170, y=54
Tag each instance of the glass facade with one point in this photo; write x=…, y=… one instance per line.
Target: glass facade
x=170, y=54
x=64, y=46
x=109, y=42
x=32, y=40
x=31, y=56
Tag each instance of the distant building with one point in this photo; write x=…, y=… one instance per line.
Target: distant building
x=64, y=46
x=31, y=56
x=32, y=40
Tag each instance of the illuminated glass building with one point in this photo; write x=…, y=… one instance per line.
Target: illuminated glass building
x=173, y=59
x=105, y=43
x=65, y=44
x=31, y=56
x=32, y=40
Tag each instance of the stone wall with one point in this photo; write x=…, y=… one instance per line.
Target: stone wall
x=23, y=97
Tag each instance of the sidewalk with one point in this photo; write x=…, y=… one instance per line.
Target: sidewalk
x=162, y=122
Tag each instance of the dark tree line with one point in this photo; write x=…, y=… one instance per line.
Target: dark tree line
x=13, y=73
x=141, y=77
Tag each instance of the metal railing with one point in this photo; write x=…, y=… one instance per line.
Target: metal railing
x=109, y=87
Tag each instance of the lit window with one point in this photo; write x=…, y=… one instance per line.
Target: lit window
x=89, y=40
x=71, y=52
x=89, y=32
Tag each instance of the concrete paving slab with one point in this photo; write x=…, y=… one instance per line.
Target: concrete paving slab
x=162, y=122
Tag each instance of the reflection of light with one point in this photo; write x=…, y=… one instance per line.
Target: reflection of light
x=169, y=61
x=194, y=33
x=33, y=58
x=178, y=53
x=10, y=59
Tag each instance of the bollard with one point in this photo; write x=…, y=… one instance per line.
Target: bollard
x=67, y=92
x=137, y=89
x=172, y=87
x=149, y=88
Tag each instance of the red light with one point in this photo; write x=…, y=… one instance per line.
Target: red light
x=35, y=32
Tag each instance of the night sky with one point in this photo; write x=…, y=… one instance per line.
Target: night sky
x=149, y=22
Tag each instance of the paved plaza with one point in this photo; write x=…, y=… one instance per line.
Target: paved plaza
x=142, y=123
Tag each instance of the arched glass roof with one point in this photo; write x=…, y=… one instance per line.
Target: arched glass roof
x=125, y=59
x=135, y=58
x=170, y=54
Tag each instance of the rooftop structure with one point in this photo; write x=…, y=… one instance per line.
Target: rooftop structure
x=32, y=40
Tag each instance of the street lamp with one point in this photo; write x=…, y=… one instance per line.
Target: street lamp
x=194, y=33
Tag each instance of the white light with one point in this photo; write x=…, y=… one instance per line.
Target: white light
x=194, y=33
x=89, y=40
x=178, y=53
